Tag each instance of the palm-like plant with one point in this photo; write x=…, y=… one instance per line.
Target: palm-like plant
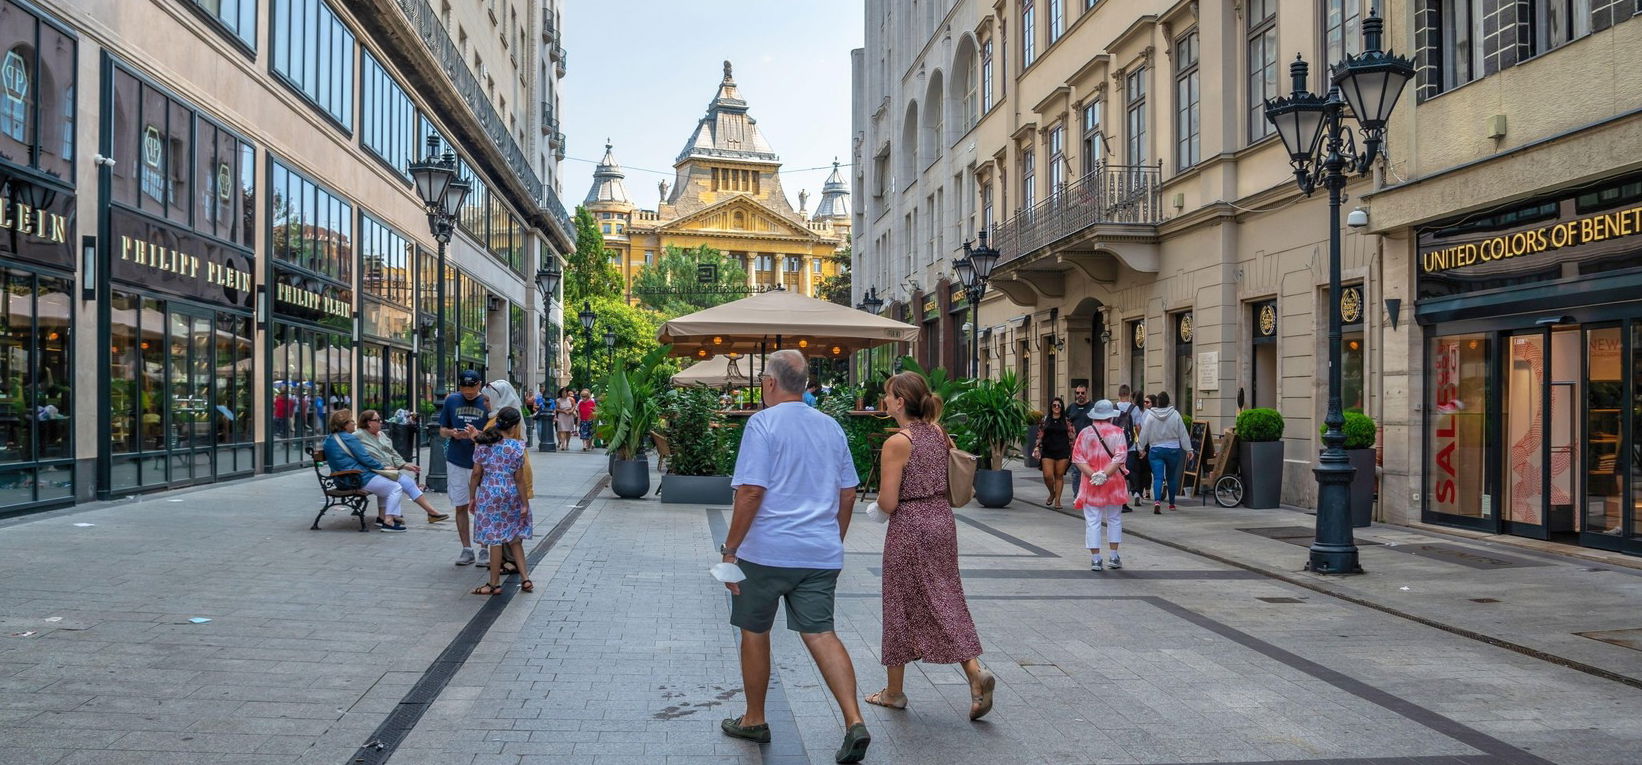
x=629, y=410
x=995, y=417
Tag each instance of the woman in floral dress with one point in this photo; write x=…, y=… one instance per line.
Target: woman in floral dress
x=501, y=512
x=925, y=615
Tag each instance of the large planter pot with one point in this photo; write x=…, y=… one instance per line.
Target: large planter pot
x=1262, y=474
x=994, y=488
x=1026, y=447
x=630, y=479
x=1362, y=487
x=696, y=490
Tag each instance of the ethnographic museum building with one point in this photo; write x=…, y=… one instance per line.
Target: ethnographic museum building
x=726, y=195
x=210, y=240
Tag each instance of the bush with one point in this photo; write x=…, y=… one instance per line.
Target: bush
x=1359, y=429
x=691, y=415
x=1258, y=425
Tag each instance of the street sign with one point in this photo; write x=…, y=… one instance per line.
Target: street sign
x=706, y=273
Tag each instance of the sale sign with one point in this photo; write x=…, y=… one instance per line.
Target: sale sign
x=1445, y=422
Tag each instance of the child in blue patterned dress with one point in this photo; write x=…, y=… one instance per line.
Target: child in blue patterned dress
x=501, y=509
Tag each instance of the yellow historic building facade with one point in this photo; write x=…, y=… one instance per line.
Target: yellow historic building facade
x=727, y=195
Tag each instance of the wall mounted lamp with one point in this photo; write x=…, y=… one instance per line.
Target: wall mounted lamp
x=88, y=267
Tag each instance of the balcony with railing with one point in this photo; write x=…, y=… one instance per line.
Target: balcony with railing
x=550, y=122
x=423, y=19
x=550, y=33
x=558, y=54
x=1108, y=195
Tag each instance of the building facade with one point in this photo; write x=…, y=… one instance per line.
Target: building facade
x=1151, y=233
x=727, y=195
x=213, y=240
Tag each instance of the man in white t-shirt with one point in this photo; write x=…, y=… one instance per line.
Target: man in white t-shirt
x=795, y=490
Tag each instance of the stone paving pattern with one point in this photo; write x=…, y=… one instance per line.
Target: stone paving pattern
x=624, y=654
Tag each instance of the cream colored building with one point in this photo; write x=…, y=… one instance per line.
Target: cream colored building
x=1144, y=209
x=1151, y=233
x=216, y=242
x=726, y=194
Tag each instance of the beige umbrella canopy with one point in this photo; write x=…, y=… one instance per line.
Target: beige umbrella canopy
x=720, y=371
x=781, y=319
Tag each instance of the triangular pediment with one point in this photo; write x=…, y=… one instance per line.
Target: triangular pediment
x=741, y=215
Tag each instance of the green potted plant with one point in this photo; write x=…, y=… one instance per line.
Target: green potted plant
x=994, y=420
x=1360, y=432
x=1260, y=444
x=696, y=471
x=626, y=414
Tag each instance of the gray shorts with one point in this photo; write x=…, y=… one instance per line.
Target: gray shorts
x=808, y=592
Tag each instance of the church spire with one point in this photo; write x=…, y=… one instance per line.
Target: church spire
x=608, y=186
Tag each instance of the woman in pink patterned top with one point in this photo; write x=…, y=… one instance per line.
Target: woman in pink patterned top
x=1100, y=454
x=925, y=615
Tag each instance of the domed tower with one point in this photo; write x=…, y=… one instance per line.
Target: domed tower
x=608, y=201
x=835, y=201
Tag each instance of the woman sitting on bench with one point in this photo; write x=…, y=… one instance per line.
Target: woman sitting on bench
x=344, y=452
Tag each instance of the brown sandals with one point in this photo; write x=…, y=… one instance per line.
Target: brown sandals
x=882, y=699
x=982, y=702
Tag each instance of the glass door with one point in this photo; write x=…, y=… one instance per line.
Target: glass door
x=189, y=374
x=1525, y=450
x=1630, y=455
x=1606, y=445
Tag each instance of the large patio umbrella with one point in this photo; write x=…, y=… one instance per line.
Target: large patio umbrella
x=719, y=371
x=779, y=319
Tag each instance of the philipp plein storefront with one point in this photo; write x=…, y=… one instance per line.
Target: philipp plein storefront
x=1532, y=415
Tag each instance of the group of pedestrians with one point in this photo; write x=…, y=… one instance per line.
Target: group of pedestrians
x=570, y=413
x=487, y=473
x=1111, y=452
x=795, y=496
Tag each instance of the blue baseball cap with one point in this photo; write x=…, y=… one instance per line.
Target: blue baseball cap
x=469, y=377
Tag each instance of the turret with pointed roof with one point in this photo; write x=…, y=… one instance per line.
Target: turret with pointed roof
x=728, y=132
x=835, y=198
x=609, y=191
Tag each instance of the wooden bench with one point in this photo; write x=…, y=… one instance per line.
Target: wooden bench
x=355, y=499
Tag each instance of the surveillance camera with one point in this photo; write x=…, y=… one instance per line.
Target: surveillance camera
x=102, y=160
x=1358, y=218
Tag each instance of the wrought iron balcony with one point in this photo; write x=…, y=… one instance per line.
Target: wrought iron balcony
x=550, y=34
x=555, y=140
x=559, y=56
x=550, y=123
x=1110, y=194
x=556, y=51
x=428, y=26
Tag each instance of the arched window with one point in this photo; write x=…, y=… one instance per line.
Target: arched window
x=907, y=169
x=933, y=136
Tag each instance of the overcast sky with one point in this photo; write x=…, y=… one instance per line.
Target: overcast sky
x=641, y=72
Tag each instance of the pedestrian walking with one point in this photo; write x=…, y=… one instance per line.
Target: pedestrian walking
x=1142, y=472
x=795, y=492
x=1054, y=449
x=585, y=408
x=380, y=446
x=925, y=615
x=1078, y=413
x=344, y=452
x=459, y=422
x=1125, y=420
x=1102, y=454
x=564, y=417
x=501, y=507
x=1162, y=434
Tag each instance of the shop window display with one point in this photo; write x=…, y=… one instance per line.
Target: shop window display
x=36, y=417
x=1457, y=427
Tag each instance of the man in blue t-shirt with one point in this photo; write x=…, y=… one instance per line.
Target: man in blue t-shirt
x=465, y=412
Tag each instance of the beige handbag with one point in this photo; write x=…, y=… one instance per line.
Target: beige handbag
x=960, y=475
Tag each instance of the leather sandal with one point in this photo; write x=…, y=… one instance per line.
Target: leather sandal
x=983, y=701
x=884, y=699
x=488, y=589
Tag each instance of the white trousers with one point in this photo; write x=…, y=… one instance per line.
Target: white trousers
x=387, y=492
x=407, y=481
x=1093, y=517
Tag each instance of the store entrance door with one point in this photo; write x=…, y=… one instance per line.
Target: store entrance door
x=1525, y=449
x=189, y=373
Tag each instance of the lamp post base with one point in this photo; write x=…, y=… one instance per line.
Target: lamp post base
x=1334, y=551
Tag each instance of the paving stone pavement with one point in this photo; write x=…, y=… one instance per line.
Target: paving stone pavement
x=624, y=654
x=314, y=635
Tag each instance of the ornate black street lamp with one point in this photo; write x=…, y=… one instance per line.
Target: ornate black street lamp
x=587, y=318
x=442, y=194
x=974, y=271
x=547, y=282
x=872, y=304
x=1323, y=148
x=610, y=346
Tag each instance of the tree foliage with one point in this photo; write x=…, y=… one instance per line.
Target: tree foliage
x=836, y=288
x=635, y=330
x=588, y=273
x=675, y=272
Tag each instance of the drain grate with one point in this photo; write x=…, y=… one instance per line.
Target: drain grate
x=1485, y=600
x=1281, y=600
x=1631, y=638
x=1466, y=556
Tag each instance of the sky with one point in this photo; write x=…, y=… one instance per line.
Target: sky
x=641, y=73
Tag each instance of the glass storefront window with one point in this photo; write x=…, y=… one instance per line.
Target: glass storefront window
x=1457, y=427
x=37, y=68
x=36, y=398
x=1635, y=458
x=1136, y=338
x=1184, y=366
x=311, y=372
x=1604, y=433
